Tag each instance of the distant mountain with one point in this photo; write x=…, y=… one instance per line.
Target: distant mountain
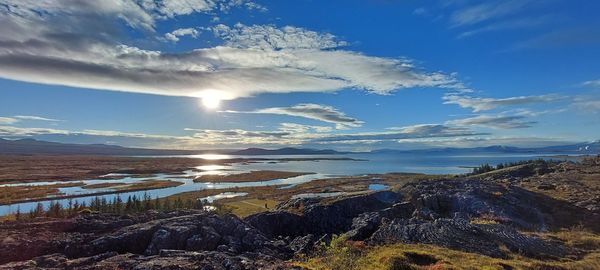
x=578, y=148
x=36, y=147
x=284, y=151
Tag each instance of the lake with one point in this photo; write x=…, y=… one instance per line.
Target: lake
x=364, y=163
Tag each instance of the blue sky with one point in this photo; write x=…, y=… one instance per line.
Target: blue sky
x=353, y=75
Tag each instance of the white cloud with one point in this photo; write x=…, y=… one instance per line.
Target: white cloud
x=174, y=36
x=269, y=37
x=312, y=111
x=592, y=83
x=494, y=121
x=587, y=104
x=172, y=8
x=522, y=23
x=482, y=141
x=8, y=120
x=36, y=118
x=19, y=131
x=486, y=11
x=76, y=44
x=484, y=104
x=299, y=128
x=408, y=132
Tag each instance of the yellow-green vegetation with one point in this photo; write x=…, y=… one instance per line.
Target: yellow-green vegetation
x=488, y=219
x=350, y=255
x=244, y=208
x=252, y=176
x=580, y=238
x=14, y=194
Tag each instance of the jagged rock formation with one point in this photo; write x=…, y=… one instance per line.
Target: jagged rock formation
x=186, y=239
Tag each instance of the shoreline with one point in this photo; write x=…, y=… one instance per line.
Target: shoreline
x=102, y=193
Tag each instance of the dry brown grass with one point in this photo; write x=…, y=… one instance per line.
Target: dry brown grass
x=252, y=176
x=147, y=185
x=244, y=208
x=419, y=256
x=103, y=185
x=19, y=169
x=13, y=194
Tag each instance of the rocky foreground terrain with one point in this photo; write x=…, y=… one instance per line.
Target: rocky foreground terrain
x=501, y=215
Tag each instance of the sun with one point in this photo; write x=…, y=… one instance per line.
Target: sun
x=211, y=101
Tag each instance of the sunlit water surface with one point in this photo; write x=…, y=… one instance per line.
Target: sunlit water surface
x=363, y=164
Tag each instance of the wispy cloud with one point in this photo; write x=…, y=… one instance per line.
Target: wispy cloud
x=588, y=35
x=299, y=128
x=494, y=121
x=587, y=104
x=488, y=10
x=520, y=23
x=8, y=120
x=592, y=83
x=36, y=118
x=484, y=104
x=408, y=132
x=312, y=111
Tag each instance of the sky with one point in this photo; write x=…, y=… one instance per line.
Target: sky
x=347, y=75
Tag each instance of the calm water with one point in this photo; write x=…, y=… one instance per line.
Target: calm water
x=367, y=164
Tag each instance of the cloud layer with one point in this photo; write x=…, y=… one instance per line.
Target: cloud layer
x=76, y=43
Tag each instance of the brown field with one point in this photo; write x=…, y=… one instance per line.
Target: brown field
x=147, y=185
x=15, y=194
x=19, y=194
x=20, y=169
x=103, y=185
x=250, y=176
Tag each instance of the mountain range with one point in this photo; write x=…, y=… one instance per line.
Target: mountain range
x=37, y=147
x=576, y=148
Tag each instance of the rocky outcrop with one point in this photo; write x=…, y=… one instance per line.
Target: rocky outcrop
x=503, y=203
x=198, y=232
x=460, y=234
x=166, y=259
x=321, y=218
x=183, y=236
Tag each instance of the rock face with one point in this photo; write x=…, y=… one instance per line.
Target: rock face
x=442, y=213
x=460, y=234
x=318, y=218
x=189, y=240
x=197, y=232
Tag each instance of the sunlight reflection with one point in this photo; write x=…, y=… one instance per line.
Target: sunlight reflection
x=211, y=156
x=209, y=168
